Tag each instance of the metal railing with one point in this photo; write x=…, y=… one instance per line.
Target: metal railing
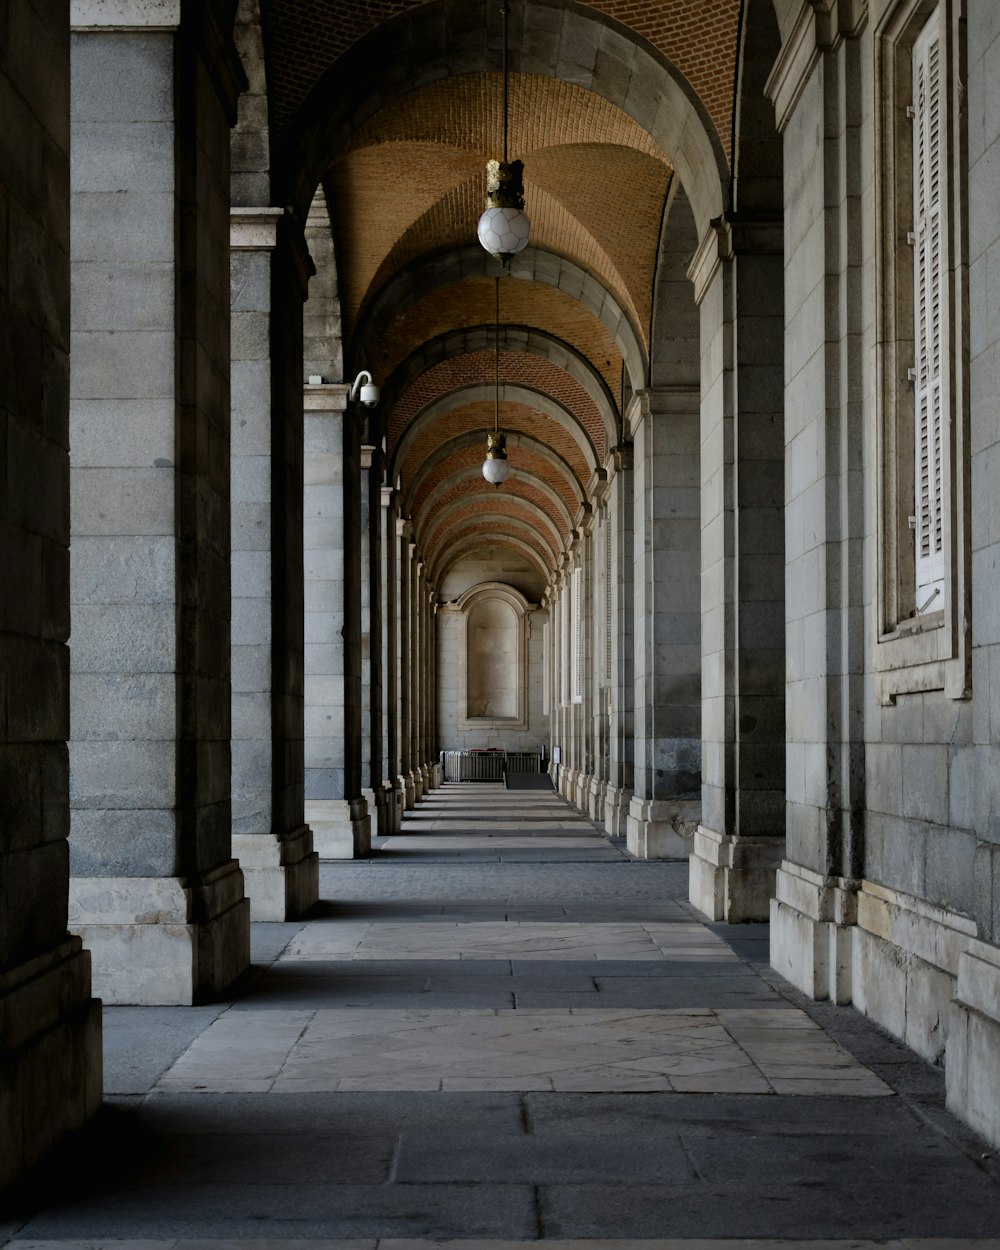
x=486, y=765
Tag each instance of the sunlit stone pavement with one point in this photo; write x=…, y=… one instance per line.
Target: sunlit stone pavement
x=501, y=1029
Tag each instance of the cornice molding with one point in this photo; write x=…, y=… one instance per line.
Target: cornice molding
x=254, y=229
x=325, y=397
x=110, y=15
x=821, y=26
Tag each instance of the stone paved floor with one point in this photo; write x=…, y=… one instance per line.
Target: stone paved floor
x=505, y=1030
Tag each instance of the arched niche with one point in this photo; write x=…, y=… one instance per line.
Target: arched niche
x=493, y=666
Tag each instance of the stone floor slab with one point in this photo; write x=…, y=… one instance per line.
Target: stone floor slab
x=529, y=1049
x=516, y=939
x=685, y=1099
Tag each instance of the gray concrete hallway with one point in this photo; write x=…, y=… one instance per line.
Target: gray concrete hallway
x=502, y=1028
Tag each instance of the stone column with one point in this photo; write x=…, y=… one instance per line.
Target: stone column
x=597, y=697
x=395, y=796
x=50, y=1027
x=622, y=691
x=422, y=683
x=371, y=767
x=404, y=665
x=815, y=909
x=156, y=893
x=740, y=843
x=571, y=770
x=355, y=520
x=555, y=688
x=666, y=804
x=270, y=838
x=334, y=806
x=437, y=767
x=413, y=719
x=430, y=685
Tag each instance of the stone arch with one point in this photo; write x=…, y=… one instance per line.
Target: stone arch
x=480, y=509
x=657, y=97
x=533, y=376
x=470, y=480
x=466, y=452
x=249, y=140
x=756, y=183
x=502, y=533
x=439, y=269
x=516, y=405
x=474, y=544
x=520, y=339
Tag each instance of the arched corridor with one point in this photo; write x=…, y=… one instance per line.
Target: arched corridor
x=397, y=395
x=506, y=1029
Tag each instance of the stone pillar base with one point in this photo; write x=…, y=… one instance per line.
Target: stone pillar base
x=371, y=801
x=616, y=803
x=395, y=803
x=341, y=828
x=973, y=1092
x=405, y=786
x=280, y=874
x=417, y=784
x=661, y=828
x=425, y=778
x=567, y=784
x=812, y=921
x=50, y=1053
x=731, y=878
x=595, y=798
x=157, y=941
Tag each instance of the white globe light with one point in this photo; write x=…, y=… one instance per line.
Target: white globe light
x=504, y=231
x=496, y=471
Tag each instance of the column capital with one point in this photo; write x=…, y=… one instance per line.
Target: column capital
x=620, y=460
x=404, y=527
x=324, y=397
x=597, y=486
x=254, y=229
x=821, y=26
x=110, y=15
x=637, y=410
x=388, y=495
x=367, y=454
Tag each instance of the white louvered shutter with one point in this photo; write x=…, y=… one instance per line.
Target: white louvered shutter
x=567, y=635
x=577, y=649
x=929, y=294
x=608, y=600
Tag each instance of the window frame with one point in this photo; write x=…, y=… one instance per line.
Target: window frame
x=576, y=639
x=915, y=653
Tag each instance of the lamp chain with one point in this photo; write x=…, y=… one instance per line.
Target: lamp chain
x=505, y=9
x=496, y=343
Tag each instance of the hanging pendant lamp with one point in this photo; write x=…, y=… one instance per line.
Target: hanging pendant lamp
x=496, y=468
x=503, y=228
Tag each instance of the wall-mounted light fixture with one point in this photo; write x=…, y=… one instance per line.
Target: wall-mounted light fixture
x=504, y=230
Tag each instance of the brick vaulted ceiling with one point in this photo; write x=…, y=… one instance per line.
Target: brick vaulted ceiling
x=405, y=189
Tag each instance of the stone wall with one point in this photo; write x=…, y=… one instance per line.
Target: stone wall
x=50, y=1027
